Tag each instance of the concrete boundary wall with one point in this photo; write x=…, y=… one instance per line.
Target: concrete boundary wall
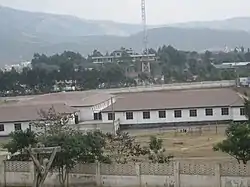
x=174, y=174
x=175, y=86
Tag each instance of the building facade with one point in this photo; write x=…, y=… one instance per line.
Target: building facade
x=93, y=112
x=20, y=117
x=177, y=108
x=89, y=104
x=115, y=56
x=177, y=116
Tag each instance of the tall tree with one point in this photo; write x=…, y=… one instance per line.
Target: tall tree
x=54, y=131
x=122, y=148
x=19, y=140
x=157, y=152
x=237, y=142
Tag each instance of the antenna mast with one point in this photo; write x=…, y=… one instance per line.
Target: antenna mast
x=144, y=23
x=145, y=59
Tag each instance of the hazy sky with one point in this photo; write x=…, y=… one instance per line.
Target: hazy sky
x=158, y=11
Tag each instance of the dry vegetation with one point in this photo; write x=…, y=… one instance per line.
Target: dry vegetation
x=195, y=143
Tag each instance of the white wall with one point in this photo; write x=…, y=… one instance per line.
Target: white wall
x=175, y=86
x=10, y=127
x=234, y=114
x=87, y=113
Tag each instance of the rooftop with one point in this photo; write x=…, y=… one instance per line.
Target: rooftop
x=230, y=65
x=23, y=113
x=74, y=99
x=177, y=100
x=133, y=56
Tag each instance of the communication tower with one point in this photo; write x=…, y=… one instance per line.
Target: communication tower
x=145, y=59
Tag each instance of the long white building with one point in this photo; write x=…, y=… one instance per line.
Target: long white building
x=83, y=108
x=153, y=109
x=89, y=104
x=95, y=110
x=16, y=117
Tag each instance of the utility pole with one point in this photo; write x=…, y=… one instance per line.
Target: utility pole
x=236, y=75
x=113, y=115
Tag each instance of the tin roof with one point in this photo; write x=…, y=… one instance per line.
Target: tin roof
x=176, y=100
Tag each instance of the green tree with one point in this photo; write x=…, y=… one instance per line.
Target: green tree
x=157, y=154
x=54, y=131
x=19, y=141
x=122, y=148
x=155, y=144
x=247, y=108
x=237, y=143
x=76, y=147
x=96, y=53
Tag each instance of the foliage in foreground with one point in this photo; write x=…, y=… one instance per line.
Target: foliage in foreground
x=237, y=143
x=19, y=141
x=157, y=154
x=122, y=148
x=78, y=147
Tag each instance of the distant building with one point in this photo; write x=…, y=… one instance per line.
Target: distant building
x=18, y=67
x=116, y=55
x=231, y=65
x=244, y=81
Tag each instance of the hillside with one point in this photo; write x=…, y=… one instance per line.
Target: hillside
x=238, y=23
x=42, y=24
x=24, y=33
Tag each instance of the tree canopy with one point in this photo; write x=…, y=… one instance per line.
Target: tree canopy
x=72, y=69
x=79, y=147
x=237, y=142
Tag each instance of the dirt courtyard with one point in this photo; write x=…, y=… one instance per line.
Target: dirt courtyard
x=187, y=143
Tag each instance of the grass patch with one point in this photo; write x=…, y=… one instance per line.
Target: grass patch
x=196, y=142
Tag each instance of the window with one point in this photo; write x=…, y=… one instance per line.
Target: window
x=129, y=115
x=146, y=115
x=76, y=119
x=18, y=126
x=95, y=116
x=224, y=111
x=111, y=116
x=242, y=111
x=162, y=114
x=1, y=127
x=98, y=116
x=193, y=113
x=177, y=114
x=209, y=112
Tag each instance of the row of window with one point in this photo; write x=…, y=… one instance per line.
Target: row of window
x=17, y=127
x=177, y=113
